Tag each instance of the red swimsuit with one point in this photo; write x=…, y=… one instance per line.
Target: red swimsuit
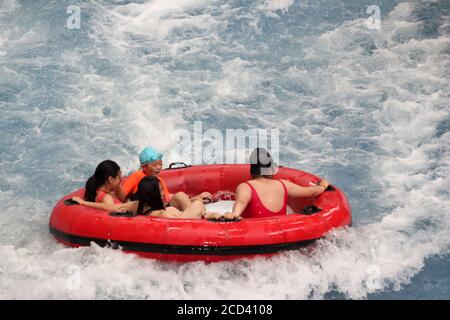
x=255, y=208
x=101, y=194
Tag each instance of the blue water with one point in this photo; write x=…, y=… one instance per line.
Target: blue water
x=368, y=109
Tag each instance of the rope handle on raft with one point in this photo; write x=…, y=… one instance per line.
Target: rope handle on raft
x=310, y=210
x=329, y=188
x=70, y=202
x=127, y=214
x=183, y=165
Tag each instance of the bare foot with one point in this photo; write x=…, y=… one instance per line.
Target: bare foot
x=213, y=215
x=221, y=216
x=231, y=216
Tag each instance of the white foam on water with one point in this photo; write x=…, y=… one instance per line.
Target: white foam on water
x=274, y=5
x=366, y=107
x=8, y=6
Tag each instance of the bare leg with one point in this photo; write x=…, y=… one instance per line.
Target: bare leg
x=195, y=210
x=180, y=201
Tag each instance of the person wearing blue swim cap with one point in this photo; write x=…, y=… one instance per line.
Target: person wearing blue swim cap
x=151, y=165
x=149, y=155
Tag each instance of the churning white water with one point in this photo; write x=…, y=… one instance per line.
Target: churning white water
x=367, y=109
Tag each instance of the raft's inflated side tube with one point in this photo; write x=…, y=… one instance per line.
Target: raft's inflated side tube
x=189, y=240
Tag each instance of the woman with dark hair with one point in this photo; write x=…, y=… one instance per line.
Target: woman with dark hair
x=101, y=187
x=264, y=196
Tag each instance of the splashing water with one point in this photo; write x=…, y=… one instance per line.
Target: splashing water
x=368, y=109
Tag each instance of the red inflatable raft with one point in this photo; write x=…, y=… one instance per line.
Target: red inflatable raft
x=189, y=240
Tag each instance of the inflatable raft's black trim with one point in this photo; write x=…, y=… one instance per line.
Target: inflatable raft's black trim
x=180, y=249
x=222, y=220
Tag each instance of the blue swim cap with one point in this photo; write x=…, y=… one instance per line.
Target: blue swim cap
x=149, y=155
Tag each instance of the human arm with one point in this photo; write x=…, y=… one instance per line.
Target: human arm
x=297, y=191
x=243, y=197
x=107, y=204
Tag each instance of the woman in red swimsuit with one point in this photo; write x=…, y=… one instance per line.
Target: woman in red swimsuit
x=263, y=196
x=103, y=188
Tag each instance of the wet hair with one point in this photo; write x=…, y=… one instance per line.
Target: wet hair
x=104, y=170
x=149, y=194
x=261, y=163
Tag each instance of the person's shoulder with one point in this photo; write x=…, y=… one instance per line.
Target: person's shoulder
x=287, y=183
x=243, y=188
x=107, y=198
x=243, y=185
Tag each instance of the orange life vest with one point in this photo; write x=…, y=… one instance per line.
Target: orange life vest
x=130, y=186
